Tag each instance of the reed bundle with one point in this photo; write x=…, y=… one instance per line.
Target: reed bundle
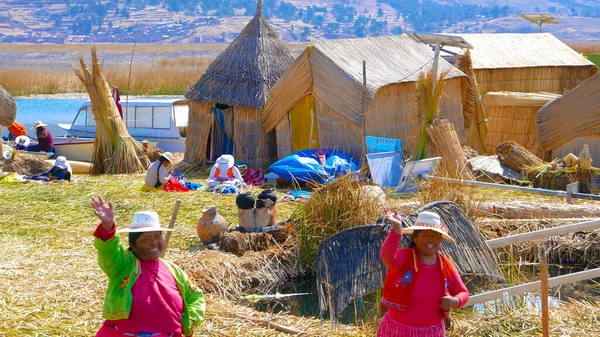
x=341, y=204
x=8, y=108
x=114, y=150
x=24, y=164
x=428, y=105
x=228, y=275
x=558, y=179
x=446, y=144
x=516, y=156
x=478, y=134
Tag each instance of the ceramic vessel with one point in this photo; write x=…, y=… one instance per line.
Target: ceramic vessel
x=210, y=225
x=585, y=158
x=245, y=200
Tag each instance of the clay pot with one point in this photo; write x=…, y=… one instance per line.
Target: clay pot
x=245, y=200
x=268, y=194
x=210, y=225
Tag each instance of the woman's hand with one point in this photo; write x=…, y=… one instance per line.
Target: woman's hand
x=395, y=219
x=104, y=212
x=449, y=303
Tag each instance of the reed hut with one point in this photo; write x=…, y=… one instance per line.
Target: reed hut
x=513, y=116
x=8, y=108
x=233, y=91
x=320, y=101
x=526, y=63
x=567, y=123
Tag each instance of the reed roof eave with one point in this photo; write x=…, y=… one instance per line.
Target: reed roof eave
x=517, y=50
x=246, y=71
x=576, y=113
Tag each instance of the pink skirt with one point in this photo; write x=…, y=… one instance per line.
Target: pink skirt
x=391, y=328
x=109, y=331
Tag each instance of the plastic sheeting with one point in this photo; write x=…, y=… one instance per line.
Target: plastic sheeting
x=304, y=166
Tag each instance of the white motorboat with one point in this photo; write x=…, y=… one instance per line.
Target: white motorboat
x=163, y=121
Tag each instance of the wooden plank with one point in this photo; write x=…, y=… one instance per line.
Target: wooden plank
x=544, y=296
x=533, y=286
x=544, y=233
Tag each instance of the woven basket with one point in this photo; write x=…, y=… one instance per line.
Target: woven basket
x=8, y=108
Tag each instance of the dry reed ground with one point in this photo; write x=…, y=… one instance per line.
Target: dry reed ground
x=52, y=286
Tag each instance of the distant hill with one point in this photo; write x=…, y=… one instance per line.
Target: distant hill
x=214, y=21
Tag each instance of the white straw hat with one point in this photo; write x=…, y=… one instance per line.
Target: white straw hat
x=225, y=162
x=145, y=221
x=429, y=221
x=168, y=156
x=38, y=124
x=22, y=141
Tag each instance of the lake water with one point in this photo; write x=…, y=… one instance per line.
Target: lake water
x=51, y=111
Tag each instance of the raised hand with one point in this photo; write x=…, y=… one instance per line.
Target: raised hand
x=104, y=212
x=395, y=219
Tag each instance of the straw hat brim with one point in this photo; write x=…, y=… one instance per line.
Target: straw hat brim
x=411, y=229
x=145, y=229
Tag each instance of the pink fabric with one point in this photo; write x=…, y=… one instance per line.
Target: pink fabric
x=103, y=234
x=157, y=304
x=109, y=331
x=425, y=300
x=390, y=328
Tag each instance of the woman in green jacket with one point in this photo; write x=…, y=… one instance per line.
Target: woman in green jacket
x=146, y=296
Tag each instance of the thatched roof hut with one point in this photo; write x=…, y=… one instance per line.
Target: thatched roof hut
x=567, y=123
x=8, y=108
x=513, y=116
x=526, y=63
x=237, y=84
x=318, y=102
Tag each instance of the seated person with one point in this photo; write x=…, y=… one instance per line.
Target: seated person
x=223, y=171
x=60, y=171
x=15, y=130
x=44, y=138
x=158, y=172
x=22, y=142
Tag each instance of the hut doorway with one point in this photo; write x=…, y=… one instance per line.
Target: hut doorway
x=221, y=135
x=304, y=125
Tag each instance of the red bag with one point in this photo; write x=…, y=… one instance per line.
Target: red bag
x=174, y=185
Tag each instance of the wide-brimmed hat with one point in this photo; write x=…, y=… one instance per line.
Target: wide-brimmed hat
x=62, y=162
x=225, y=162
x=22, y=141
x=145, y=221
x=429, y=221
x=168, y=156
x=38, y=124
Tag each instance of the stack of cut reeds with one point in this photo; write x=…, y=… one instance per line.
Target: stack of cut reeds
x=115, y=151
x=445, y=141
x=428, y=105
x=516, y=156
x=8, y=108
x=478, y=131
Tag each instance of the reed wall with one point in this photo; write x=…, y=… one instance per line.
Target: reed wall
x=393, y=112
x=337, y=133
x=516, y=123
x=575, y=146
x=251, y=142
x=199, y=124
x=534, y=79
x=284, y=138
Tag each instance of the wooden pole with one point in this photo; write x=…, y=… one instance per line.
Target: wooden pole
x=544, y=285
x=171, y=224
x=364, y=108
x=533, y=286
x=544, y=233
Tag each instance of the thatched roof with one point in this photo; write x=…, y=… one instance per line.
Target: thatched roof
x=491, y=51
x=332, y=70
x=8, y=108
x=244, y=73
x=575, y=114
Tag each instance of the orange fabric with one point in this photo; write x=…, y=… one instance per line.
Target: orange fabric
x=17, y=129
x=229, y=172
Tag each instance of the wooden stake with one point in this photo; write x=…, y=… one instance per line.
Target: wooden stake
x=544, y=280
x=272, y=325
x=171, y=224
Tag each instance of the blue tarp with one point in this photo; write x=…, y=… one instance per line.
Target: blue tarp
x=304, y=166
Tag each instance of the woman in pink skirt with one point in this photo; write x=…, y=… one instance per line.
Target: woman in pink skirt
x=421, y=286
